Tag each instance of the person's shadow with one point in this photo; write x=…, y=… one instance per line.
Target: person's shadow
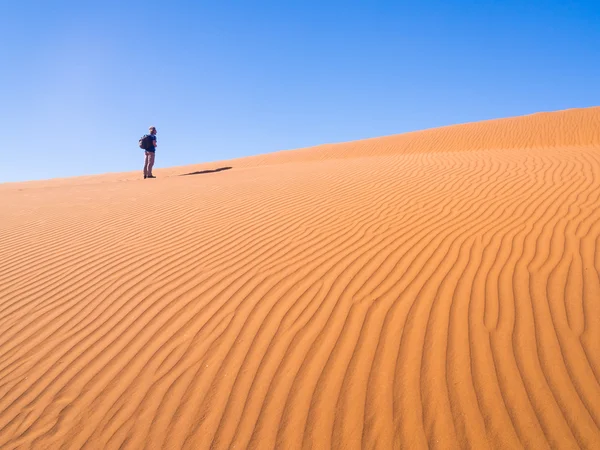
x=220, y=169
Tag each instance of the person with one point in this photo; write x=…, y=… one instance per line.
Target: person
x=150, y=152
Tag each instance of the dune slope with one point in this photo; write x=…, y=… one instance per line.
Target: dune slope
x=438, y=289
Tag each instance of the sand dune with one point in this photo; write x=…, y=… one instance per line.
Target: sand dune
x=437, y=289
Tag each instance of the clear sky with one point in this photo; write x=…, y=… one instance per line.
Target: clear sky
x=81, y=81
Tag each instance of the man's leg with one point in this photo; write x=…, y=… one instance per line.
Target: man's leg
x=150, y=156
x=146, y=164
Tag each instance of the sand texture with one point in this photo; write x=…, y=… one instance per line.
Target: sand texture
x=437, y=289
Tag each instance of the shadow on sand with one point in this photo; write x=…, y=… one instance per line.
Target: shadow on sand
x=220, y=169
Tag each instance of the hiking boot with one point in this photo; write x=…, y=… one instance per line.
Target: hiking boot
x=151, y=176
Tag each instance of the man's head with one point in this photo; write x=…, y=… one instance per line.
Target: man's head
x=152, y=130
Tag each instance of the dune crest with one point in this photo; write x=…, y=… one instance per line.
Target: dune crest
x=568, y=128
x=437, y=289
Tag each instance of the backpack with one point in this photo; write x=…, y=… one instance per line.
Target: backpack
x=145, y=142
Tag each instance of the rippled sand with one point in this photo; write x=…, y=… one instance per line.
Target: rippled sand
x=437, y=289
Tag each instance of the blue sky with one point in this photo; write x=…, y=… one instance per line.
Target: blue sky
x=81, y=81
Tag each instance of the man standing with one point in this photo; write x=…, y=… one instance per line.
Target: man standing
x=150, y=151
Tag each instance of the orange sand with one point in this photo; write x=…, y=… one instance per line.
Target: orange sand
x=437, y=289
